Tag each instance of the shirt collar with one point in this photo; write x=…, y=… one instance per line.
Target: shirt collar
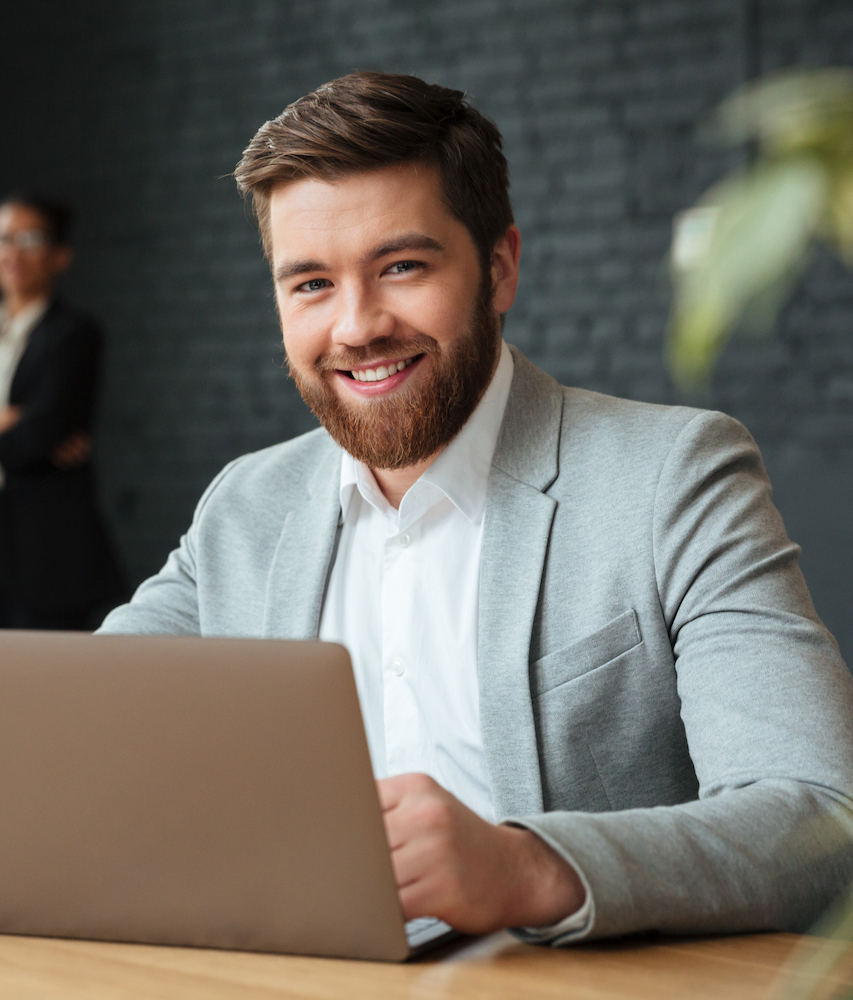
x=461, y=471
x=24, y=320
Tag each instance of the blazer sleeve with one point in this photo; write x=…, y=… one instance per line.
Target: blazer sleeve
x=168, y=602
x=60, y=394
x=767, y=707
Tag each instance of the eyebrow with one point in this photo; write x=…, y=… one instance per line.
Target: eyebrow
x=408, y=241
x=292, y=268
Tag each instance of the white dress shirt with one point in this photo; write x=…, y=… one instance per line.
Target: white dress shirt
x=14, y=336
x=403, y=597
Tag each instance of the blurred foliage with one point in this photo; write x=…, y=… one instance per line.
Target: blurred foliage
x=821, y=967
x=734, y=260
x=736, y=255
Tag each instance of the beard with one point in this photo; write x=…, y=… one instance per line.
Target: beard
x=412, y=424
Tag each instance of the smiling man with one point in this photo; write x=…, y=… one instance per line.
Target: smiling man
x=597, y=697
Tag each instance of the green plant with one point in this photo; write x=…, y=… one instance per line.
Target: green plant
x=820, y=969
x=736, y=255
x=734, y=260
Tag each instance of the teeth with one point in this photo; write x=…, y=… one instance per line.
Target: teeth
x=382, y=372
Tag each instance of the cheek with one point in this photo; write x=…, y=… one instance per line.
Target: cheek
x=32, y=271
x=440, y=316
x=303, y=342
x=296, y=332
x=296, y=349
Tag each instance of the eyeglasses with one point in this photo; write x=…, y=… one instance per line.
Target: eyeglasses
x=26, y=239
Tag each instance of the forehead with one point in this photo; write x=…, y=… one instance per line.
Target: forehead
x=312, y=215
x=14, y=216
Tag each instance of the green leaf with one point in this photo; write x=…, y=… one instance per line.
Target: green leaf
x=790, y=112
x=764, y=223
x=840, y=211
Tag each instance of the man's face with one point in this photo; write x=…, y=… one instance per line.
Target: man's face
x=390, y=327
x=29, y=262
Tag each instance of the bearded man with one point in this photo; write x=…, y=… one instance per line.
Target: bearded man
x=597, y=697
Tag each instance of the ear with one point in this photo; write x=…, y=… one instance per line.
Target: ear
x=505, y=257
x=61, y=259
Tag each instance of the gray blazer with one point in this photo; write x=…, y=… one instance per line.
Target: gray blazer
x=658, y=698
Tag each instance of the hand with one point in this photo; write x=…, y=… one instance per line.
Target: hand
x=476, y=876
x=9, y=416
x=73, y=451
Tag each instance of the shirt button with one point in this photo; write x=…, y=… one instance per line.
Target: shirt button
x=397, y=667
x=404, y=539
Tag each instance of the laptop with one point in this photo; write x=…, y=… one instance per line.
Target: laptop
x=193, y=791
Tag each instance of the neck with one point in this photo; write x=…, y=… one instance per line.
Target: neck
x=395, y=483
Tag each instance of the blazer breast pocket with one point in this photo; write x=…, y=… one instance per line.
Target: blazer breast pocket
x=584, y=655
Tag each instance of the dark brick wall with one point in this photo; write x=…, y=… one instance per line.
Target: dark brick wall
x=137, y=111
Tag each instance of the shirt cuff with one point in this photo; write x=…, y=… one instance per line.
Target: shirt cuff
x=572, y=924
x=575, y=925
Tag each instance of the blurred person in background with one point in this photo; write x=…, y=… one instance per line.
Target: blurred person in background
x=57, y=566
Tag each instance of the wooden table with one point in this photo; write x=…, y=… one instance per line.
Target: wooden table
x=492, y=968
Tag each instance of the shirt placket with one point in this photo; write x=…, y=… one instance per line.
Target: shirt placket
x=401, y=715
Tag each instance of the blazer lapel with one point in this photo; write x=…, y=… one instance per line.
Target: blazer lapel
x=515, y=542
x=297, y=579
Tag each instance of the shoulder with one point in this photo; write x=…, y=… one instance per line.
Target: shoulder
x=63, y=321
x=641, y=445
x=611, y=423
x=618, y=440
x=595, y=418
x=276, y=478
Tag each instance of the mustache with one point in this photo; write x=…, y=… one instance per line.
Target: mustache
x=382, y=347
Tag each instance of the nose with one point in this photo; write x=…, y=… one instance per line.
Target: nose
x=360, y=316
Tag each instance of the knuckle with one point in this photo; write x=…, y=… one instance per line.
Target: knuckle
x=421, y=783
x=432, y=815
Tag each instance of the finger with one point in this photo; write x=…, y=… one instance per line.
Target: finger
x=414, y=861
x=392, y=791
x=427, y=897
x=394, y=830
x=416, y=900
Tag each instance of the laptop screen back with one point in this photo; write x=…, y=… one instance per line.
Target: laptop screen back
x=213, y=792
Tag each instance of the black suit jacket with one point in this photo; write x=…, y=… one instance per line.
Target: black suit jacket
x=55, y=551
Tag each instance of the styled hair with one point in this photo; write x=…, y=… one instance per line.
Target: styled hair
x=57, y=216
x=365, y=121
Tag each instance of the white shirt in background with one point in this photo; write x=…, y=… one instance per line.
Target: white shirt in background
x=14, y=335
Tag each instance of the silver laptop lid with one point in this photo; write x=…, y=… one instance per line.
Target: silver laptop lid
x=213, y=792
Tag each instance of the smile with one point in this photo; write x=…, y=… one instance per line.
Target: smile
x=381, y=372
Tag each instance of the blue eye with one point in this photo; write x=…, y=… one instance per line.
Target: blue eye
x=401, y=266
x=314, y=285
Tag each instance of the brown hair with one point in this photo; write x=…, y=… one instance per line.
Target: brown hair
x=365, y=121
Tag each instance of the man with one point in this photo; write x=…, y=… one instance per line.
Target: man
x=56, y=565
x=595, y=690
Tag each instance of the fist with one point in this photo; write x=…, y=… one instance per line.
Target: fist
x=476, y=876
